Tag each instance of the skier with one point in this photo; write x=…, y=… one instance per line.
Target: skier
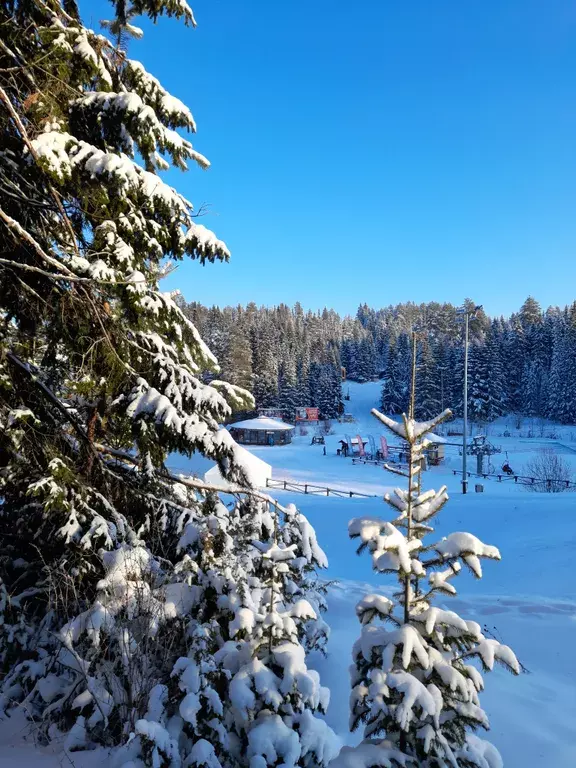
x=507, y=468
x=344, y=445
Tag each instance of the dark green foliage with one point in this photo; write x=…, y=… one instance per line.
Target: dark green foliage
x=511, y=361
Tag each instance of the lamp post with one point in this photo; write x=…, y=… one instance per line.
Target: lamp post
x=467, y=313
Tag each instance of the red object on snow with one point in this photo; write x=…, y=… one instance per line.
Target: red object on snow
x=383, y=447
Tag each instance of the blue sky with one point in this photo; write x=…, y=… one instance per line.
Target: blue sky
x=378, y=151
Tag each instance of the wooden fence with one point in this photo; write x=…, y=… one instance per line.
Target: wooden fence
x=547, y=483
x=315, y=490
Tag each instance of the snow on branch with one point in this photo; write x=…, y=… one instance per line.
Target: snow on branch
x=409, y=429
x=411, y=682
x=371, y=754
x=467, y=547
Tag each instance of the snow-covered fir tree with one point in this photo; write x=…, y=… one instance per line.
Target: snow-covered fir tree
x=479, y=405
x=122, y=584
x=534, y=390
x=530, y=313
x=303, y=373
x=562, y=383
x=513, y=346
x=326, y=389
x=367, y=363
x=265, y=367
x=497, y=404
x=414, y=683
x=240, y=693
x=429, y=382
x=396, y=383
x=288, y=392
x=237, y=358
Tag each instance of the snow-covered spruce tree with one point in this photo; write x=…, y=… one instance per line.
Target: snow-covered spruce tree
x=265, y=367
x=396, y=384
x=326, y=389
x=414, y=687
x=288, y=386
x=104, y=554
x=429, y=391
x=277, y=618
x=240, y=693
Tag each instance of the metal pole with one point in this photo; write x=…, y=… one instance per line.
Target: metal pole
x=465, y=429
x=411, y=406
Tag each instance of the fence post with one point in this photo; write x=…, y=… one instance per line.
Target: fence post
x=306, y=488
x=327, y=491
x=548, y=483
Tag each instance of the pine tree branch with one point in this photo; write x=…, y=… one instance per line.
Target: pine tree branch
x=37, y=270
x=19, y=230
x=14, y=56
x=25, y=138
x=232, y=489
x=69, y=277
x=15, y=360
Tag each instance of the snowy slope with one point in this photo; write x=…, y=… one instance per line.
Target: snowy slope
x=528, y=599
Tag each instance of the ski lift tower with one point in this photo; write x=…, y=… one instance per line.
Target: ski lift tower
x=466, y=313
x=481, y=447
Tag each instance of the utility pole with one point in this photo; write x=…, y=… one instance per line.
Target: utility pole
x=467, y=313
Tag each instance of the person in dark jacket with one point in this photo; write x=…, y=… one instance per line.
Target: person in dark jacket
x=344, y=445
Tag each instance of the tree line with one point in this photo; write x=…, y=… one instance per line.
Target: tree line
x=289, y=357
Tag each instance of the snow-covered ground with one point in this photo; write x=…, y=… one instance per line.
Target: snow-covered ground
x=528, y=600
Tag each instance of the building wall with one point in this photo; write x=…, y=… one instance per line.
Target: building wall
x=261, y=437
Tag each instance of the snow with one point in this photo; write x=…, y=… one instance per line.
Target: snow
x=263, y=423
x=373, y=604
x=203, y=240
x=390, y=549
x=527, y=600
x=469, y=548
x=415, y=694
x=407, y=637
x=159, y=736
x=438, y=439
x=270, y=738
x=202, y=753
x=375, y=755
x=255, y=469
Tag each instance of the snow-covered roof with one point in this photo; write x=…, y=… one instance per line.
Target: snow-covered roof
x=263, y=423
x=256, y=470
x=200, y=466
x=435, y=438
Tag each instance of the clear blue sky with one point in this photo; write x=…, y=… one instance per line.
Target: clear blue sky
x=378, y=151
